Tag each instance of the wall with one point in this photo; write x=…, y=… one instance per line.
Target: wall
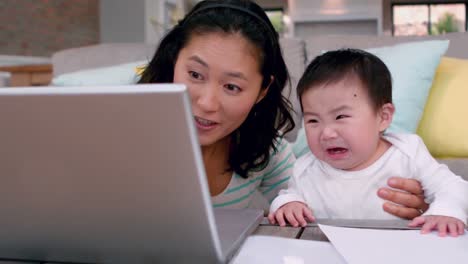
x=154, y=14
x=272, y=3
x=322, y=17
x=122, y=20
x=157, y=16
x=41, y=27
x=333, y=6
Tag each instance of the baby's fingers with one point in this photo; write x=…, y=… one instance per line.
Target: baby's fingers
x=291, y=218
x=461, y=227
x=300, y=218
x=308, y=214
x=453, y=229
x=428, y=227
x=442, y=227
x=417, y=221
x=271, y=218
x=280, y=218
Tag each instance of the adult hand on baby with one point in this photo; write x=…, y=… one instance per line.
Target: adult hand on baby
x=296, y=213
x=444, y=224
x=406, y=202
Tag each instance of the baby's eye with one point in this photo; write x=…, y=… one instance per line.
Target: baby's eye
x=232, y=87
x=312, y=121
x=195, y=75
x=341, y=117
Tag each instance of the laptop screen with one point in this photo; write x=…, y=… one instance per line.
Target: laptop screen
x=102, y=174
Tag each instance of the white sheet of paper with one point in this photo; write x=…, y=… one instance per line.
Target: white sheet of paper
x=361, y=246
x=277, y=250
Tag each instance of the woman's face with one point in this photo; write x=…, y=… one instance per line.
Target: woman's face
x=222, y=73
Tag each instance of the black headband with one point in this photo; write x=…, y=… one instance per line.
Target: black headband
x=238, y=8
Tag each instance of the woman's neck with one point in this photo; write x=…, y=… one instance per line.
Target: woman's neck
x=216, y=161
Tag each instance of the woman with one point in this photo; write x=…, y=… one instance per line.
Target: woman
x=227, y=53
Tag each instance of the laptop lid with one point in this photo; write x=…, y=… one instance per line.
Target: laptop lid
x=103, y=174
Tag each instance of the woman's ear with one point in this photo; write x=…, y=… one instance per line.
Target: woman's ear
x=263, y=92
x=386, y=116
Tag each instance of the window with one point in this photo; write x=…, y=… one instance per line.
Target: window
x=428, y=17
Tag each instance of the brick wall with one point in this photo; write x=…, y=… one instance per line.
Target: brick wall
x=41, y=27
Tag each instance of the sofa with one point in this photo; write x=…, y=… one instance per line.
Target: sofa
x=297, y=53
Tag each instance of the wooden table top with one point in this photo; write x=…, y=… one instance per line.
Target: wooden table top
x=27, y=68
x=313, y=232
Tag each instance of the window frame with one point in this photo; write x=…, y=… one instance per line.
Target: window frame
x=427, y=3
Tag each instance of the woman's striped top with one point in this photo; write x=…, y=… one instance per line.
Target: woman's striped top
x=261, y=187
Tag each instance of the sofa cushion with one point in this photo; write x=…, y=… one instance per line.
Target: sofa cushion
x=120, y=74
x=315, y=45
x=443, y=126
x=101, y=55
x=294, y=56
x=459, y=166
x=413, y=67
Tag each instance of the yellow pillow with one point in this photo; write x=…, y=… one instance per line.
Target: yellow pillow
x=444, y=124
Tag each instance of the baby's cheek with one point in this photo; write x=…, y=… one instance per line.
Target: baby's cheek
x=313, y=143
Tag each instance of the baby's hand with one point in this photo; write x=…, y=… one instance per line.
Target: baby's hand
x=296, y=213
x=445, y=224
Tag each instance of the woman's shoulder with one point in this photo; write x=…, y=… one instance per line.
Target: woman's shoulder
x=299, y=146
x=281, y=149
x=281, y=157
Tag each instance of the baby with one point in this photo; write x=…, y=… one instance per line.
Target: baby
x=346, y=99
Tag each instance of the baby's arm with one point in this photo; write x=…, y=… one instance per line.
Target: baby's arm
x=446, y=192
x=296, y=213
x=290, y=205
x=444, y=224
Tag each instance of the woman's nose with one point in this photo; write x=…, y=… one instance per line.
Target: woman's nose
x=208, y=99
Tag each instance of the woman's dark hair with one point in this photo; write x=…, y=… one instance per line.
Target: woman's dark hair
x=252, y=142
x=334, y=66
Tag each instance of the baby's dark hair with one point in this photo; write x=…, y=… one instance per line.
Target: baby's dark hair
x=334, y=66
x=270, y=118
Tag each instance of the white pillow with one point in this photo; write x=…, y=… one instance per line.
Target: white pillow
x=413, y=66
x=114, y=75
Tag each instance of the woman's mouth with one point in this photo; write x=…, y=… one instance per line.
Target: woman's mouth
x=204, y=124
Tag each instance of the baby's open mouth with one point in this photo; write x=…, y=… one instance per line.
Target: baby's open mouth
x=337, y=150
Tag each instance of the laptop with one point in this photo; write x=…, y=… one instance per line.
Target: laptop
x=108, y=175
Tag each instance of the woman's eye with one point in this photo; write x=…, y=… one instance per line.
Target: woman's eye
x=341, y=117
x=232, y=88
x=195, y=75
